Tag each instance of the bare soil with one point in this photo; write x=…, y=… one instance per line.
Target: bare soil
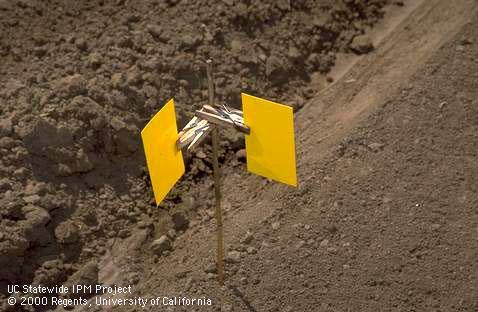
x=385, y=218
x=79, y=79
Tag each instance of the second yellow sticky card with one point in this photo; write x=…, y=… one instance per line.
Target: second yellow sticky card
x=270, y=147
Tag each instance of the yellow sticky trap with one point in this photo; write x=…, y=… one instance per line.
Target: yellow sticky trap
x=164, y=159
x=270, y=147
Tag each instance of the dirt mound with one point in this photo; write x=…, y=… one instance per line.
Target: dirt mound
x=80, y=79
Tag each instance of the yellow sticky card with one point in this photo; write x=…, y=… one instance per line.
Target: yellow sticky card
x=165, y=161
x=270, y=147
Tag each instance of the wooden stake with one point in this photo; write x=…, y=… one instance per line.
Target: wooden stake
x=217, y=185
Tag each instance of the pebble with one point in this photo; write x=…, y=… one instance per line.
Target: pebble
x=95, y=60
x=362, y=44
x=181, y=274
x=251, y=250
x=332, y=250
x=241, y=155
x=210, y=276
x=332, y=228
x=172, y=234
x=81, y=44
x=32, y=199
x=211, y=268
x=123, y=233
x=300, y=244
x=233, y=256
x=180, y=221
x=20, y=173
x=247, y=238
x=67, y=232
x=161, y=245
x=324, y=243
x=275, y=225
x=201, y=154
x=375, y=146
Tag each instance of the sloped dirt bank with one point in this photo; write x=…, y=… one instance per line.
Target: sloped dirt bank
x=385, y=218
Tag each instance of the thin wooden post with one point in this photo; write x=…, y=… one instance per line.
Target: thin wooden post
x=217, y=182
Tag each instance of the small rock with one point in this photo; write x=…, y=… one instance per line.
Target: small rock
x=172, y=234
x=362, y=44
x=81, y=44
x=161, y=245
x=133, y=18
x=40, y=215
x=71, y=86
x=324, y=243
x=275, y=225
x=7, y=143
x=134, y=76
x=181, y=223
x=32, y=199
x=210, y=276
x=294, y=53
x=211, y=268
x=6, y=127
x=95, y=60
x=201, y=154
x=40, y=51
x=300, y=244
x=123, y=233
x=332, y=228
x=64, y=170
x=118, y=80
x=33, y=188
x=251, y=250
x=20, y=173
x=5, y=185
x=332, y=250
x=375, y=146
x=181, y=274
x=233, y=257
x=247, y=238
x=189, y=42
x=67, y=232
x=241, y=155
x=156, y=32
